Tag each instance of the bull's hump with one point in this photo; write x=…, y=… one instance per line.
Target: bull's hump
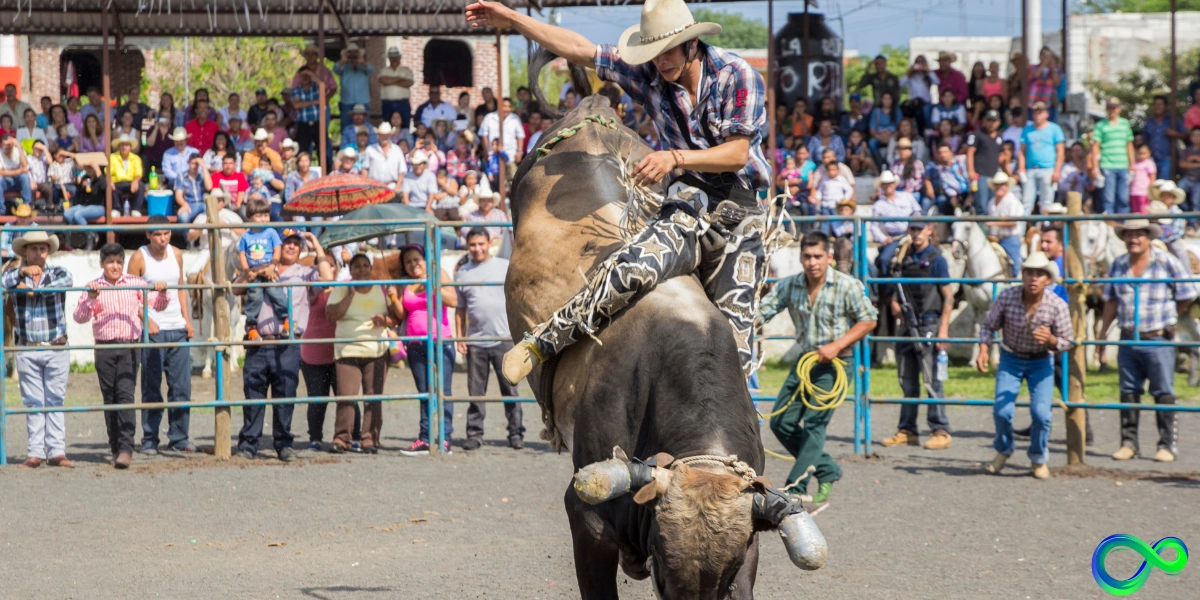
x=681, y=301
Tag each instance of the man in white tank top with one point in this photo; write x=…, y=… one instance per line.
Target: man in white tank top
x=155, y=262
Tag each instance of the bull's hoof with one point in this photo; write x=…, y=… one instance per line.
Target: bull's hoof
x=206, y=374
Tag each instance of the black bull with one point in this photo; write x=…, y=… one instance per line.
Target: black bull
x=665, y=377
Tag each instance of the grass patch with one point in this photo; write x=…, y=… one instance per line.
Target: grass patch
x=83, y=367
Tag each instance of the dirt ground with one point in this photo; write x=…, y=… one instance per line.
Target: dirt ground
x=904, y=523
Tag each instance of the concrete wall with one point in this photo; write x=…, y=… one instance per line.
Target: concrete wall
x=969, y=50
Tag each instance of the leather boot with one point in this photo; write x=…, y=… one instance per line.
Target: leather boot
x=1129, y=422
x=1168, y=425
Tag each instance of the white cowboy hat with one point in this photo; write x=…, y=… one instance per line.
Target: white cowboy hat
x=218, y=194
x=348, y=152
x=261, y=135
x=385, y=128
x=1056, y=208
x=1039, y=261
x=1166, y=186
x=393, y=51
x=358, y=108
x=123, y=139
x=180, y=134
x=664, y=25
x=289, y=143
x=35, y=237
x=885, y=178
x=418, y=158
x=1136, y=224
x=999, y=179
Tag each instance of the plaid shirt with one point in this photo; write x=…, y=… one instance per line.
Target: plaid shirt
x=841, y=303
x=308, y=114
x=41, y=317
x=1156, y=303
x=117, y=314
x=1008, y=315
x=731, y=100
x=1041, y=86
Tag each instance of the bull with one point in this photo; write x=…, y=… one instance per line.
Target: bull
x=662, y=380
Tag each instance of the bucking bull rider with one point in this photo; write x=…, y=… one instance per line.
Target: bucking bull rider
x=707, y=106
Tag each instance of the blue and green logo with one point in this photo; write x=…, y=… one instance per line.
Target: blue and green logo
x=1151, y=559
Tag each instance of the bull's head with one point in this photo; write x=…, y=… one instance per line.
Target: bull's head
x=704, y=522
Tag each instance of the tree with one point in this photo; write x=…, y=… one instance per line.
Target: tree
x=225, y=65
x=1135, y=6
x=736, y=31
x=897, y=64
x=1136, y=89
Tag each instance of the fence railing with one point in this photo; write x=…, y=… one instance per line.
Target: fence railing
x=861, y=398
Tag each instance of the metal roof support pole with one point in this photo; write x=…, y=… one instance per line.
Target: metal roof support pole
x=771, y=124
x=1173, y=97
x=107, y=125
x=500, y=94
x=322, y=105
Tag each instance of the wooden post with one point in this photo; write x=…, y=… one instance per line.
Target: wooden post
x=1076, y=418
x=220, y=331
x=321, y=120
x=1172, y=101
x=107, y=127
x=771, y=96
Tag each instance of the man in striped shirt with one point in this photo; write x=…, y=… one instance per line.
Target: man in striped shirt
x=116, y=317
x=41, y=320
x=707, y=106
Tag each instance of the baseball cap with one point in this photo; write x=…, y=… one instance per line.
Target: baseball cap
x=991, y=114
x=262, y=91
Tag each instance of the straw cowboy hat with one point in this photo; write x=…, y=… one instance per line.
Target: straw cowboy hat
x=848, y=202
x=999, y=179
x=1168, y=187
x=665, y=24
x=1039, y=262
x=261, y=135
x=1136, y=225
x=885, y=178
x=179, y=135
x=35, y=237
x=385, y=129
x=24, y=210
x=123, y=139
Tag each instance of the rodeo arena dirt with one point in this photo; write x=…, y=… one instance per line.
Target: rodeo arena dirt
x=608, y=272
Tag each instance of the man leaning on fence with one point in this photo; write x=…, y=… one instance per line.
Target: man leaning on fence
x=830, y=312
x=41, y=325
x=1149, y=310
x=930, y=304
x=1035, y=323
x=116, y=317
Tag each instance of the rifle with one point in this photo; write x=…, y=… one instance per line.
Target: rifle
x=909, y=317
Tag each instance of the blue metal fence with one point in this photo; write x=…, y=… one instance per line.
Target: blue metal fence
x=860, y=397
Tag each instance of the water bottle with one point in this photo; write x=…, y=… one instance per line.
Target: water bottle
x=943, y=366
x=153, y=178
x=126, y=212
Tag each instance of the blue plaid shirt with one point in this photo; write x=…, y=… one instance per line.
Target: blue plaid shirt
x=731, y=100
x=41, y=317
x=308, y=114
x=1156, y=303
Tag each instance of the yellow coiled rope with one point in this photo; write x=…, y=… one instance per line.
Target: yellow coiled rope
x=814, y=397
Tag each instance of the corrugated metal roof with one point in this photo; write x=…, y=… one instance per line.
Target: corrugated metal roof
x=255, y=17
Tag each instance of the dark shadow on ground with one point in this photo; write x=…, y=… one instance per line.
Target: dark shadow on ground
x=320, y=593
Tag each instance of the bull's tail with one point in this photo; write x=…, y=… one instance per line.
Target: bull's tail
x=579, y=82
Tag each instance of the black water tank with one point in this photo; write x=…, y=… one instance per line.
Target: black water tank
x=811, y=72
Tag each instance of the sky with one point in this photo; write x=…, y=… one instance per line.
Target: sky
x=867, y=24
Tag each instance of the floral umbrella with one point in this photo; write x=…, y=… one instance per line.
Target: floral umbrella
x=337, y=194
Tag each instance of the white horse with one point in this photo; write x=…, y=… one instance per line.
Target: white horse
x=983, y=261
x=199, y=272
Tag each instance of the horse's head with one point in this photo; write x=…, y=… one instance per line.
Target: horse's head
x=705, y=521
x=960, y=232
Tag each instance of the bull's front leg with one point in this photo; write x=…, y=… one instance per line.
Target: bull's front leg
x=743, y=583
x=597, y=552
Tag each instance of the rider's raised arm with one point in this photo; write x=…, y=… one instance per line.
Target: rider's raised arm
x=563, y=42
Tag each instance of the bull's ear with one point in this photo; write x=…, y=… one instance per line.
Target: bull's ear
x=618, y=453
x=759, y=484
x=656, y=488
x=648, y=493
x=663, y=460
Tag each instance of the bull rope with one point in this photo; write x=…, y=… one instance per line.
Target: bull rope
x=571, y=131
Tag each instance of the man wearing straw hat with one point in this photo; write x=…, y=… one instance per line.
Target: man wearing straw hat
x=1146, y=312
x=707, y=107
x=41, y=324
x=1035, y=325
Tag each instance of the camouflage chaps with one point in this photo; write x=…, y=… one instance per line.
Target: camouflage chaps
x=729, y=264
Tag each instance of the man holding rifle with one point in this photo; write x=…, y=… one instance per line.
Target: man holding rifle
x=924, y=310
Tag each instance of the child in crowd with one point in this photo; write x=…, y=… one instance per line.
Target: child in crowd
x=258, y=255
x=836, y=229
x=946, y=134
x=1167, y=197
x=1144, y=172
x=64, y=139
x=858, y=154
x=833, y=190
x=493, y=162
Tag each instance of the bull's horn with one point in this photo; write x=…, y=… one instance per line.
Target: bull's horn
x=805, y=544
x=602, y=481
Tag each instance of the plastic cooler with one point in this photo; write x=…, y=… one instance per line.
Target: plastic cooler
x=159, y=202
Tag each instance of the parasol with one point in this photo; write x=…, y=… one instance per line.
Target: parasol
x=336, y=194
x=336, y=236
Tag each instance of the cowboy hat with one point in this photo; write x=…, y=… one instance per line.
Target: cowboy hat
x=180, y=134
x=999, y=179
x=348, y=152
x=358, y=108
x=123, y=139
x=664, y=25
x=1038, y=261
x=1056, y=208
x=261, y=135
x=904, y=143
x=393, y=52
x=885, y=178
x=1166, y=186
x=24, y=210
x=35, y=237
x=1136, y=225
x=949, y=55
x=469, y=136
x=385, y=129
x=418, y=158
x=848, y=202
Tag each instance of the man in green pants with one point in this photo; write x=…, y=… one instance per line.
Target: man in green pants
x=831, y=311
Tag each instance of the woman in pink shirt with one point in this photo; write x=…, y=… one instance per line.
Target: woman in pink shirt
x=1144, y=173
x=416, y=321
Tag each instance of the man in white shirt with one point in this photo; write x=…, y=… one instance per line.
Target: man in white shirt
x=435, y=108
x=384, y=162
x=1007, y=233
x=394, y=82
x=13, y=106
x=14, y=169
x=512, y=134
x=420, y=188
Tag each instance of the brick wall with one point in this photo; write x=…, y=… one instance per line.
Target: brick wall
x=484, y=73
x=48, y=71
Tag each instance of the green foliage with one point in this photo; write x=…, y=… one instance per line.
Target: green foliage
x=897, y=64
x=224, y=65
x=736, y=31
x=1135, y=6
x=1136, y=89
x=83, y=367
